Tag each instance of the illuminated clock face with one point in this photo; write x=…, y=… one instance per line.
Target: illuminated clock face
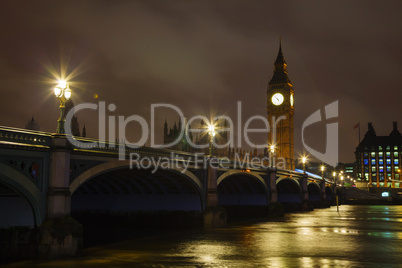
x=277, y=99
x=292, y=101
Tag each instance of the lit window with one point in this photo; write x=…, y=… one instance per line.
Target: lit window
x=381, y=162
x=372, y=154
x=388, y=148
x=381, y=177
x=366, y=175
x=380, y=154
x=388, y=169
x=366, y=161
x=396, y=161
x=372, y=161
x=381, y=168
x=388, y=154
x=365, y=155
x=388, y=161
x=379, y=148
x=395, y=148
x=373, y=169
x=395, y=154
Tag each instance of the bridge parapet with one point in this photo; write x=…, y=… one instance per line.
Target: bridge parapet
x=11, y=137
x=94, y=146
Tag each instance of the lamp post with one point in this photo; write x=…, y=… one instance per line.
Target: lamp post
x=212, y=133
x=272, y=151
x=304, y=160
x=336, y=192
x=63, y=93
x=322, y=171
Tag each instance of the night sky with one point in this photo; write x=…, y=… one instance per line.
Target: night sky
x=204, y=57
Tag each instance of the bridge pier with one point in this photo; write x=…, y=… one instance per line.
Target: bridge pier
x=214, y=215
x=305, y=204
x=275, y=208
x=324, y=202
x=60, y=235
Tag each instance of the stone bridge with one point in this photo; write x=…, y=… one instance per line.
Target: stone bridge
x=44, y=177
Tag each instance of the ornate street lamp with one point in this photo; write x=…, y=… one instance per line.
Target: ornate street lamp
x=336, y=192
x=322, y=171
x=212, y=133
x=63, y=93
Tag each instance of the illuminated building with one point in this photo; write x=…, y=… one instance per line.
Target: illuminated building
x=280, y=103
x=378, y=158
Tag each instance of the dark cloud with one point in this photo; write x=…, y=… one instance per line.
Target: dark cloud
x=204, y=56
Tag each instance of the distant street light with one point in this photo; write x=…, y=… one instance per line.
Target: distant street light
x=63, y=93
x=304, y=160
x=272, y=150
x=322, y=171
x=212, y=133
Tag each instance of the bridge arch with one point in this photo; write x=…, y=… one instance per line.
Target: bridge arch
x=28, y=192
x=115, y=166
x=242, y=188
x=314, y=192
x=329, y=193
x=289, y=190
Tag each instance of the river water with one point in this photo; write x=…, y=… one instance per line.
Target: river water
x=357, y=236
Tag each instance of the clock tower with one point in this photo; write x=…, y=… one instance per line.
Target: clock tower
x=280, y=107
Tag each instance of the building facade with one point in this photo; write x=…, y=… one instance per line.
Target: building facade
x=280, y=108
x=378, y=158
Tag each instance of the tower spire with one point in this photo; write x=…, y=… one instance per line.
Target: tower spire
x=280, y=72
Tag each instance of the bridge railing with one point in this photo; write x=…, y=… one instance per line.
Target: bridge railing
x=15, y=136
x=21, y=137
x=88, y=145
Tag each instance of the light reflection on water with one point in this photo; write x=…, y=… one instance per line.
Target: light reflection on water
x=357, y=236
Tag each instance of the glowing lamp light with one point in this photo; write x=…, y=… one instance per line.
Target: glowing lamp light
x=272, y=148
x=67, y=93
x=211, y=130
x=212, y=133
x=62, y=84
x=63, y=93
x=57, y=91
x=385, y=194
x=322, y=167
x=304, y=160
